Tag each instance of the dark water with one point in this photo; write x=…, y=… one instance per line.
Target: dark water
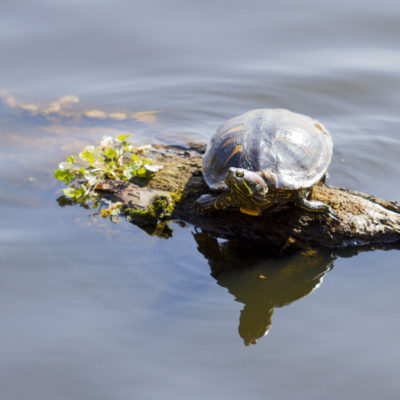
x=94, y=310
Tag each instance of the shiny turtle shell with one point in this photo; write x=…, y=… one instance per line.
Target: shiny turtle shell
x=290, y=150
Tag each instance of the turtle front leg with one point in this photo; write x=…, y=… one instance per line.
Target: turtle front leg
x=313, y=206
x=208, y=202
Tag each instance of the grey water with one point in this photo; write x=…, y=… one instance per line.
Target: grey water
x=95, y=310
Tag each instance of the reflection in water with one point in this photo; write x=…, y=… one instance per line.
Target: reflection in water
x=63, y=107
x=261, y=283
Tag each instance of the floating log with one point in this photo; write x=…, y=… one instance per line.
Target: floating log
x=362, y=220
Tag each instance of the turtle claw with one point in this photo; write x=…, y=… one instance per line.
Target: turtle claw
x=328, y=214
x=332, y=215
x=325, y=215
x=205, y=203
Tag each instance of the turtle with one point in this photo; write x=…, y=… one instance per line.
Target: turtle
x=264, y=159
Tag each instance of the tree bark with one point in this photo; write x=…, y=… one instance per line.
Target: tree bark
x=363, y=220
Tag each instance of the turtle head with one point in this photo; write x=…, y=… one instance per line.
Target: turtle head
x=246, y=184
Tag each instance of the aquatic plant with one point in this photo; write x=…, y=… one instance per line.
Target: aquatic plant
x=112, y=158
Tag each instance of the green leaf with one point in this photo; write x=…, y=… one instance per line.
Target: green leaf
x=75, y=194
x=110, y=153
x=59, y=174
x=91, y=178
x=110, y=159
x=141, y=172
x=122, y=138
x=135, y=157
x=127, y=173
x=82, y=170
x=69, y=192
x=87, y=154
x=64, y=175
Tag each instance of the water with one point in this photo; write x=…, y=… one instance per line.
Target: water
x=93, y=310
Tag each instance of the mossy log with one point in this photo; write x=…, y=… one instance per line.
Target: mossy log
x=170, y=194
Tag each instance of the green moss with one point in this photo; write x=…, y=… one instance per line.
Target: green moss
x=160, y=209
x=176, y=196
x=154, y=220
x=142, y=217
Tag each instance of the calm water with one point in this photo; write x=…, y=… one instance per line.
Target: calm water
x=94, y=310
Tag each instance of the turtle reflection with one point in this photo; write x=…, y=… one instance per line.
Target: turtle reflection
x=262, y=283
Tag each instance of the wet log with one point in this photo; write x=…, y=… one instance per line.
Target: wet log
x=362, y=220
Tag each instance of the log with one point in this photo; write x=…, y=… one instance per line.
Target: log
x=362, y=220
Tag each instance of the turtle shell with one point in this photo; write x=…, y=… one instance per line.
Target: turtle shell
x=290, y=150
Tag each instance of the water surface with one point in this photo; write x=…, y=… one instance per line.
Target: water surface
x=94, y=310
